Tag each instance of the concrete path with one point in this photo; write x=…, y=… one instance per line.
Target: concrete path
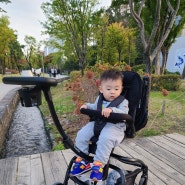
x=5, y=88
x=8, y=103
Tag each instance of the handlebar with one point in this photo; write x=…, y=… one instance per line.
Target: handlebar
x=113, y=118
x=39, y=81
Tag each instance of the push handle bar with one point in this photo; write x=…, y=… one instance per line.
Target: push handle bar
x=39, y=81
x=114, y=117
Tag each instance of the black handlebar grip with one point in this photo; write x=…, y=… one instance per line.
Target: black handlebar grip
x=40, y=81
x=114, y=117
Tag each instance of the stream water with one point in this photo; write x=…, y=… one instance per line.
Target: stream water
x=27, y=134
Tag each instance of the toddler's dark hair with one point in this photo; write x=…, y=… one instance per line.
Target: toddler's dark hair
x=111, y=74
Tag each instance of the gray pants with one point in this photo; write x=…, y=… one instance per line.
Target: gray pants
x=110, y=137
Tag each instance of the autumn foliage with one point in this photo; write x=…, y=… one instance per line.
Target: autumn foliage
x=85, y=89
x=164, y=92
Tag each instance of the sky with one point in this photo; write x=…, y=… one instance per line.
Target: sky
x=25, y=17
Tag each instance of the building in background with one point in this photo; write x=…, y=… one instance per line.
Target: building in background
x=176, y=56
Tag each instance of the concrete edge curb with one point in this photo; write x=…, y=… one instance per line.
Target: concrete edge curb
x=7, y=108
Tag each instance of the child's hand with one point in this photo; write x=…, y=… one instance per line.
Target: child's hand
x=84, y=106
x=106, y=112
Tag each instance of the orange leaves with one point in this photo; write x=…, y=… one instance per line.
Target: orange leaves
x=148, y=75
x=84, y=89
x=98, y=82
x=128, y=68
x=89, y=74
x=164, y=92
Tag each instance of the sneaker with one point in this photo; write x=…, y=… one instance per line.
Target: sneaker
x=80, y=166
x=97, y=171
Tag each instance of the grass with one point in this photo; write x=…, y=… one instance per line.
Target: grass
x=166, y=113
x=62, y=100
x=64, y=106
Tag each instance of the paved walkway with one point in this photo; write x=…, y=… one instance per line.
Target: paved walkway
x=8, y=103
x=5, y=88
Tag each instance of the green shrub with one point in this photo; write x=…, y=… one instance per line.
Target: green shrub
x=75, y=75
x=168, y=72
x=139, y=68
x=169, y=82
x=59, y=146
x=150, y=132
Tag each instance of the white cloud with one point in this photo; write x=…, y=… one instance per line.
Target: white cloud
x=25, y=17
x=105, y=3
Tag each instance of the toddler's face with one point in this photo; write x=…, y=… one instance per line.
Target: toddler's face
x=111, y=89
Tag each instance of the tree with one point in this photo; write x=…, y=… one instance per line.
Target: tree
x=99, y=36
x=151, y=49
x=120, y=41
x=31, y=50
x=4, y=1
x=6, y=37
x=118, y=12
x=71, y=20
x=164, y=22
x=183, y=73
x=16, y=54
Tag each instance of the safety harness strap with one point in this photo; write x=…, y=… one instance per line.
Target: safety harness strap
x=99, y=123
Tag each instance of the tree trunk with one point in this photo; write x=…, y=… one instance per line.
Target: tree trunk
x=16, y=63
x=164, y=51
x=148, y=62
x=183, y=73
x=82, y=61
x=157, y=64
x=81, y=66
x=119, y=56
x=150, y=50
x=3, y=65
x=129, y=50
x=82, y=71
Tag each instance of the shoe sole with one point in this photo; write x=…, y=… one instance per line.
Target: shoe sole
x=96, y=180
x=80, y=173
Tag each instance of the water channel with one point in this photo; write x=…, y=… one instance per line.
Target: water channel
x=27, y=134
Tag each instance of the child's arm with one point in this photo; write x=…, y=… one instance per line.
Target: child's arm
x=122, y=108
x=84, y=106
x=92, y=106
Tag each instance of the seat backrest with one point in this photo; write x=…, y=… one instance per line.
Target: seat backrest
x=136, y=91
